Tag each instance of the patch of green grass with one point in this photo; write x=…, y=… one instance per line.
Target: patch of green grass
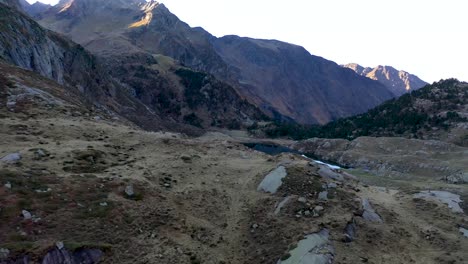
x=20, y=246
x=285, y=256
x=73, y=246
x=95, y=211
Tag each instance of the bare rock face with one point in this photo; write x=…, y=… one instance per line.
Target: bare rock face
x=398, y=82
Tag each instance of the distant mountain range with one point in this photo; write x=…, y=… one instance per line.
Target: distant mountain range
x=141, y=49
x=284, y=80
x=398, y=82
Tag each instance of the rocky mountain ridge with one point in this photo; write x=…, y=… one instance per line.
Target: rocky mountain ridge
x=284, y=80
x=34, y=10
x=397, y=81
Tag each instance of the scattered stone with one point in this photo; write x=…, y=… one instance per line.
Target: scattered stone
x=369, y=213
x=273, y=180
x=26, y=215
x=129, y=191
x=302, y=200
x=332, y=185
x=307, y=213
x=323, y=196
x=59, y=245
x=8, y=185
x=44, y=191
x=12, y=158
x=317, y=210
x=281, y=205
x=4, y=253
x=464, y=231
x=103, y=204
x=350, y=232
x=186, y=158
x=39, y=154
x=452, y=200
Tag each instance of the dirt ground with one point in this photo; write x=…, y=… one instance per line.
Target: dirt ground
x=195, y=199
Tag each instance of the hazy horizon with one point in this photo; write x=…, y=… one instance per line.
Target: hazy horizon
x=423, y=39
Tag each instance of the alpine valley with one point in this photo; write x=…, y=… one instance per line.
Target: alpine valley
x=127, y=136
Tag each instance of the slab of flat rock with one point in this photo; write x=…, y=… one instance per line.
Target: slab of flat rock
x=313, y=249
x=273, y=180
x=450, y=199
x=12, y=158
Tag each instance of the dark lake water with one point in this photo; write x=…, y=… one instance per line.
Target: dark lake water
x=272, y=149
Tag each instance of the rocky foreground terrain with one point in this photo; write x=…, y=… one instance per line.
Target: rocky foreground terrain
x=81, y=186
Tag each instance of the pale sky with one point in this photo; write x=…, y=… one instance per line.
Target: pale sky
x=428, y=38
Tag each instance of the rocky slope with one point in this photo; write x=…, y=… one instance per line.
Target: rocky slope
x=159, y=99
x=397, y=158
x=398, y=82
x=283, y=79
x=77, y=189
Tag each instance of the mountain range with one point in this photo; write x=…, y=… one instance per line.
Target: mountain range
x=124, y=138
x=284, y=80
x=269, y=79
